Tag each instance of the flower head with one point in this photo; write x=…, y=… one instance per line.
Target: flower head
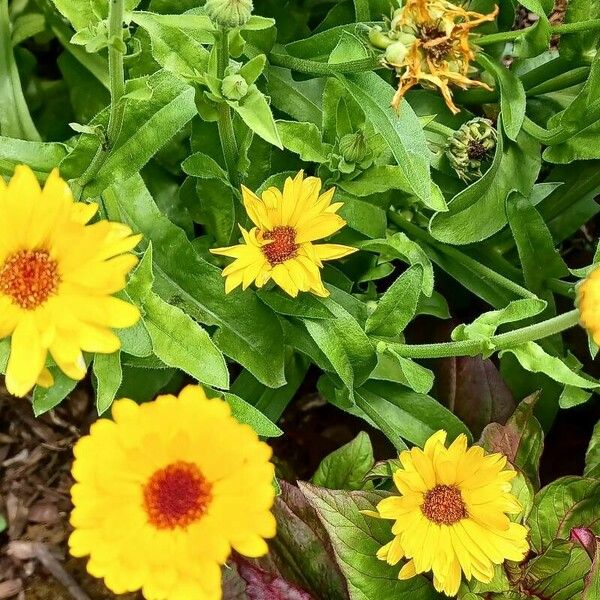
x=229, y=13
x=164, y=493
x=57, y=277
x=588, y=302
x=470, y=147
x=451, y=514
x=428, y=43
x=280, y=246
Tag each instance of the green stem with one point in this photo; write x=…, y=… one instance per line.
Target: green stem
x=437, y=127
x=314, y=67
x=510, y=339
x=225, y=122
x=116, y=71
x=509, y=36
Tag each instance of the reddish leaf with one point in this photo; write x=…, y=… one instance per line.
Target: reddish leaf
x=262, y=585
x=521, y=440
x=473, y=389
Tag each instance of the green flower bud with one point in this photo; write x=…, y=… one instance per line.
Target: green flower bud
x=353, y=147
x=471, y=146
x=234, y=87
x=229, y=13
x=396, y=53
x=378, y=38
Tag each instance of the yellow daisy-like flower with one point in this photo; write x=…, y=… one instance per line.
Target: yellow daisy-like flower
x=433, y=47
x=588, y=302
x=280, y=246
x=165, y=491
x=57, y=277
x=451, y=515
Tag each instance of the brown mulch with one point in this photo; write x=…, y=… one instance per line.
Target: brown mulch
x=35, y=461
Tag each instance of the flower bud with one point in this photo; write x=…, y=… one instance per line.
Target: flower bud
x=378, y=38
x=353, y=147
x=229, y=13
x=234, y=87
x=396, y=54
x=471, y=146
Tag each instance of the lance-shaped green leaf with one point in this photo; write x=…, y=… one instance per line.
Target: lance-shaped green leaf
x=247, y=332
x=42, y=157
x=478, y=211
x=346, y=467
x=244, y=412
x=592, y=456
x=108, y=376
x=304, y=139
x=402, y=132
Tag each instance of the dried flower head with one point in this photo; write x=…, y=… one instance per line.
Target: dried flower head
x=428, y=43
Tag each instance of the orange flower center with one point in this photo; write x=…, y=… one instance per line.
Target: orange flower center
x=29, y=277
x=444, y=505
x=283, y=247
x=176, y=496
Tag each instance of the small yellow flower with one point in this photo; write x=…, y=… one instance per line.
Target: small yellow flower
x=588, y=302
x=451, y=515
x=281, y=247
x=57, y=277
x=165, y=491
x=428, y=43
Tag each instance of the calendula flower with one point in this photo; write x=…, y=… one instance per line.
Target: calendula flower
x=588, y=302
x=281, y=246
x=57, y=277
x=451, y=515
x=164, y=493
x=428, y=44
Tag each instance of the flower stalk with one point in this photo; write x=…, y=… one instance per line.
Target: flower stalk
x=225, y=122
x=116, y=69
x=531, y=333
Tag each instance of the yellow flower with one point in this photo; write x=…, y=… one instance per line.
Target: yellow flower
x=165, y=491
x=57, y=277
x=588, y=302
x=281, y=247
x=451, y=514
x=433, y=47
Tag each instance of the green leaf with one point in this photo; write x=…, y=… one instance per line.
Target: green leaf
x=82, y=13
x=345, y=344
x=146, y=129
x=378, y=179
x=203, y=166
x=565, y=503
x=533, y=358
x=512, y=95
x=407, y=250
x=248, y=332
x=417, y=378
x=558, y=574
x=299, y=99
x=584, y=44
x=591, y=589
x=539, y=259
x=304, y=306
x=244, y=412
x=45, y=399
x=402, y=132
x=398, y=306
x=108, y=377
x=256, y=113
x=356, y=538
x=346, y=467
x=42, y=157
x=521, y=440
x=15, y=119
x=478, y=211
x=182, y=343
x=177, y=41
x=592, y=456
x=304, y=139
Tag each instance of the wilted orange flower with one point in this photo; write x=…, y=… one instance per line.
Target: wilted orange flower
x=428, y=44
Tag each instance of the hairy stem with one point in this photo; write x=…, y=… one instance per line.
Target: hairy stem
x=116, y=72
x=531, y=333
x=225, y=122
